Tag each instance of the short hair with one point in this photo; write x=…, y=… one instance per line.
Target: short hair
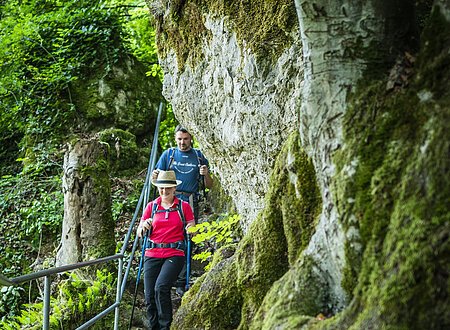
x=180, y=128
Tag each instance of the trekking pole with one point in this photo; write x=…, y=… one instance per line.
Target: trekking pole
x=188, y=261
x=141, y=262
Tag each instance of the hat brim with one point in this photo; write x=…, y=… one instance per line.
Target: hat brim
x=165, y=183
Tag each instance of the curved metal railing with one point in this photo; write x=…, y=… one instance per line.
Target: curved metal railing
x=122, y=276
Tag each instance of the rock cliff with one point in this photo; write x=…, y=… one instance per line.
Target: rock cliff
x=290, y=102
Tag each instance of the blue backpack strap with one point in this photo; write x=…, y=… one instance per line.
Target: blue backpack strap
x=183, y=219
x=171, y=156
x=199, y=156
x=154, y=207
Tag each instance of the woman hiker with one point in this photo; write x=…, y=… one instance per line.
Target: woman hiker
x=165, y=250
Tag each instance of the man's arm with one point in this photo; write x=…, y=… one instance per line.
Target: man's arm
x=208, y=179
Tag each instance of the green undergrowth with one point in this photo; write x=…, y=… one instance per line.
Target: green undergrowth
x=211, y=235
x=76, y=299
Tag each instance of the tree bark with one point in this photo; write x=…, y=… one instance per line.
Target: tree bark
x=88, y=228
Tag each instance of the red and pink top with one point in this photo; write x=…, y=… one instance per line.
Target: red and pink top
x=167, y=227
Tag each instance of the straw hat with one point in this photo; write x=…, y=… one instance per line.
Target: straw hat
x=166, y=179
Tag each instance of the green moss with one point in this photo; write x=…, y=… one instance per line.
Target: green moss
x=125, y=157
x=218, y=199
x=304, y=295
x=300, y=196
x=123, y=97
x=213, y=302
x=223, y=253
x=433, y=61
x=183, y=31
x=396, y=196
x=98, y=174
x=262, y=26
x=230, y=295
x=97, y=177
x=280, y=233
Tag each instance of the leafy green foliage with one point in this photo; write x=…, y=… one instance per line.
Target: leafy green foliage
x=30, y=210
x=140, y=36
x=77, y=301
x=45, y=48
x=167, y=129
x=10, y=297
x=211, y=235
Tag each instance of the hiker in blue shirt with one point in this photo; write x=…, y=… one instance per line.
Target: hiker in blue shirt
x=190, y=167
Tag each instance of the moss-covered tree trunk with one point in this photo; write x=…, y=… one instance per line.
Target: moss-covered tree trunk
x=88, y=228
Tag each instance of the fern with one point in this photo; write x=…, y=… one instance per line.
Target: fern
x=77, y=301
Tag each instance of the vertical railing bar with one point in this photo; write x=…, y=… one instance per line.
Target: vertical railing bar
x=46, y=323
x=130, y=261
x=118, y=294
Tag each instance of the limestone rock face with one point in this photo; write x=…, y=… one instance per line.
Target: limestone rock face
x=240, y=112
x=328, y=82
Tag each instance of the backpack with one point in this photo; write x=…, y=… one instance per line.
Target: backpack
x=179, y=209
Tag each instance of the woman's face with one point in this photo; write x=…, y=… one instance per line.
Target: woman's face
x=166, y=192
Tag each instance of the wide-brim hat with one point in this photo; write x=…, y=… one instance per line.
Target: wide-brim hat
x=166, y=179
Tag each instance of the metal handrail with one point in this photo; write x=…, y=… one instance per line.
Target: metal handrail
x=121, y=278
x=62, y=269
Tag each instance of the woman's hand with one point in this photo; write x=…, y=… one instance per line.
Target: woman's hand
x=188, y=226
x=143, y=227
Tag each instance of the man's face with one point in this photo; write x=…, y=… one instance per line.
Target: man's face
x=183, y=141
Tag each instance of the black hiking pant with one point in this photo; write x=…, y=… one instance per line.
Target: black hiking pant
x=159, y=276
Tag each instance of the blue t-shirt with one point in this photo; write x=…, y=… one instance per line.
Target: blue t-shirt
x=186, y=165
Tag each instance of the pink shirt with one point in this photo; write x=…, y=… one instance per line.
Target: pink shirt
x=167, y=227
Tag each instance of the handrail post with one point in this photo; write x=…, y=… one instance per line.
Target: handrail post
x=118, y=294
x=46, y=323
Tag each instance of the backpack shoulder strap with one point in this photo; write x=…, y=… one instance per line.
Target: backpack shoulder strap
x=180, y=212
x=171, y=155
x=201, y=162
x=199, y=156
x=154, y=208
x=183, y=219
x=179, y=209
